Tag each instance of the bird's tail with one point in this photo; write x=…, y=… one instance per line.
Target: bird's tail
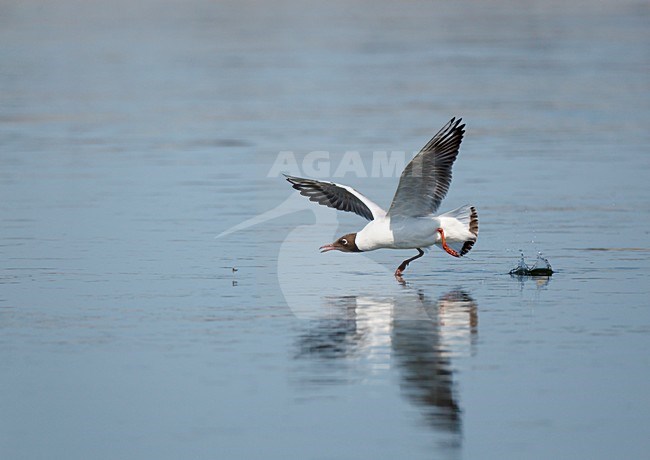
x=467, y=218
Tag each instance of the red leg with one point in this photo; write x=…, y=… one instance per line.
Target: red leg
x=403, y=265
x=450, y=251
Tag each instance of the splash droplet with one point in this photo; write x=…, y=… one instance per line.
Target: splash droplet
x=541, y=267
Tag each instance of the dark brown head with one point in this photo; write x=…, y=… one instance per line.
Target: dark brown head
x=346, y=244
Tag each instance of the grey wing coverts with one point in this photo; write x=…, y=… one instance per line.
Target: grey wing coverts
x=426, y=179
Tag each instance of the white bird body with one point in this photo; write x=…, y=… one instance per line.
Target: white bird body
x=398, y=233
x=410, y=222
x=403, y=232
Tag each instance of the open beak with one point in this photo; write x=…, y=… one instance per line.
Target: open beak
x=327, y=247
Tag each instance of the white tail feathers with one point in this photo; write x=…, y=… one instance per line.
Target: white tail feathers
x=468, y=218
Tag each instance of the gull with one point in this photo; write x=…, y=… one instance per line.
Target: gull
x=410, y=222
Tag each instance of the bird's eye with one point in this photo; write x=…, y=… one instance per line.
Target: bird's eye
x=344, y=242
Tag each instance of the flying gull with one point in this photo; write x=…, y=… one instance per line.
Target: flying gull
x=411, y=222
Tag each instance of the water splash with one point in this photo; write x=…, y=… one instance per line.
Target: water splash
x=541, y=267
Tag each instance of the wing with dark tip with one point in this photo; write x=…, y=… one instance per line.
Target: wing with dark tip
x=425, y=180
x=337, y=196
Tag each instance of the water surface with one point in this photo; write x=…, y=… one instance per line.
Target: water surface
x=132, y=135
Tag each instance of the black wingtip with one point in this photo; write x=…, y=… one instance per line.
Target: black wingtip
x=298, y=183
x=453, y=125
x=291, y=179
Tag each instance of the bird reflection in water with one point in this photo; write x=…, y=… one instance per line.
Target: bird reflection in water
x=409, y=332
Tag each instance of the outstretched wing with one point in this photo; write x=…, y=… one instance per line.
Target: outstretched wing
x=425, y=180
x=337, y=196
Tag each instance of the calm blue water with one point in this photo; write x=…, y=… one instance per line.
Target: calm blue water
x=132, y=135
